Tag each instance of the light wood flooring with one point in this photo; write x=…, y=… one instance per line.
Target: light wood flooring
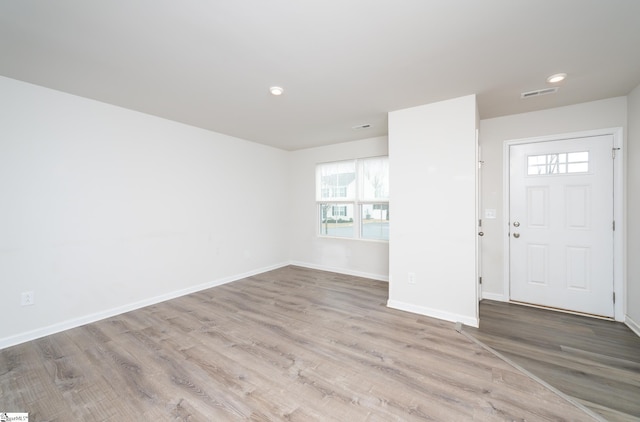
x=597, y=362
x=292, y=344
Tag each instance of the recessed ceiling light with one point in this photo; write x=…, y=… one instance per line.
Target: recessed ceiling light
x=276, y=90
x=558, y=77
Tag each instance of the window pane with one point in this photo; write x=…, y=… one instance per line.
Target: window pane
x=374, y=179
x=537, y=169
x=537, y=160
x=336, y=180
x=374, y=221
x=578, y=167
x=336, y=220
x=575, y=157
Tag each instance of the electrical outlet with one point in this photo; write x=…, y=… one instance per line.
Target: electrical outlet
x=28, y=298
x=411, y=279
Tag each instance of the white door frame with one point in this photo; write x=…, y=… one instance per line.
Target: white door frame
x=619, y=215
x=479, y=221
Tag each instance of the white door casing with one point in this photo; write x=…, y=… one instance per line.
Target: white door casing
x=479, y=219
x=561, y=254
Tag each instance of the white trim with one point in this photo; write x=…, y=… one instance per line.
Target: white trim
x=76, y=322
x=506, y=201
x=340, y=271
x=478, y=218
x=634, y=326
x=495, y=296
x=620, y=234
x=619, y=243
x=434, y=313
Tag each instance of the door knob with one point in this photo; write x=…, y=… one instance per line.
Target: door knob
x=516, y=235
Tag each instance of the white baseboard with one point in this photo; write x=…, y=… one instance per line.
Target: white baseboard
x=634, y=326
x=495, y=296
x=86, y=319
x=434, y=313
x=341, y=271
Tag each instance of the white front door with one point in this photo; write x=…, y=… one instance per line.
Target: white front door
x=561, y=224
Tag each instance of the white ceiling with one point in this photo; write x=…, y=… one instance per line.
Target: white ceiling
x=341, y=62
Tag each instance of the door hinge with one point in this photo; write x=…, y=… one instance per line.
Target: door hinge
x=614, y=297
x=614, y=225
x=613, y=152
x=480, y=280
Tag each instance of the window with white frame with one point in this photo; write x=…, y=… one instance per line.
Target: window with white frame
x=558, y=163
x=353, y=198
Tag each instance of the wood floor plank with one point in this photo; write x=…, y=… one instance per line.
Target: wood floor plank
x=291, y=344
x=595, y=361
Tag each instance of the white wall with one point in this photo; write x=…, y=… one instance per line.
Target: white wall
x=104, y=209
x=432, y=159
x=356, y=257
x=601, y=114
x=633, y=211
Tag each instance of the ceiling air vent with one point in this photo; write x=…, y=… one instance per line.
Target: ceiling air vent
x=539, y=92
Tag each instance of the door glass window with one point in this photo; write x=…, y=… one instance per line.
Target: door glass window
x=560, y=163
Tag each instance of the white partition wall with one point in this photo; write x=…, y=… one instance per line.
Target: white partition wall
x=432, y=249
x=104, y=209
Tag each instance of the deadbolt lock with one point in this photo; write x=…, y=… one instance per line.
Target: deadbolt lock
x=516, y=224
